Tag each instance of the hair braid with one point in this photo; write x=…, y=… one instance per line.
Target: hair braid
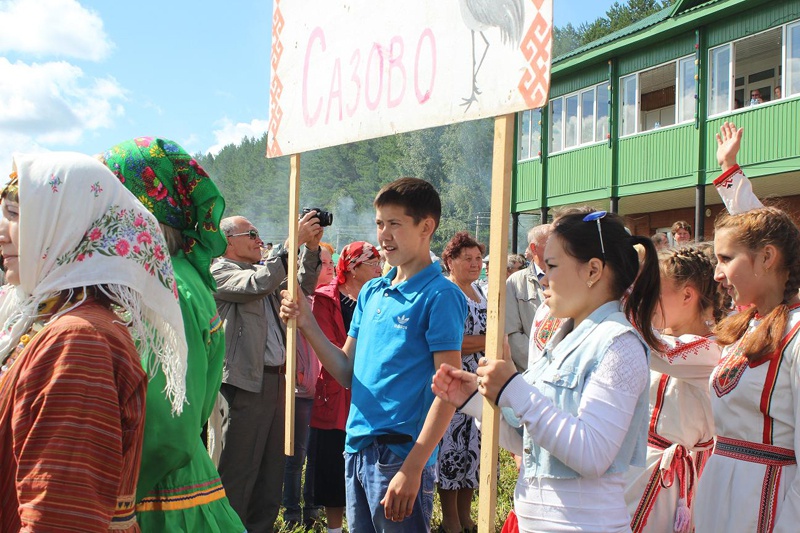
x=754, y=230
x=690, y=265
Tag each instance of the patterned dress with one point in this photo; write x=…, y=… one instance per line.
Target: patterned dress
x=71, y=426
x=750, y=483
x=459, y=456
x=680, y=434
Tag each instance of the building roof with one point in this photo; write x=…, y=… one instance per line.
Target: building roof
x=659, y=26
x=646, y=22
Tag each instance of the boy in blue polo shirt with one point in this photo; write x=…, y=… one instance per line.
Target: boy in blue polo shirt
x=404, y=326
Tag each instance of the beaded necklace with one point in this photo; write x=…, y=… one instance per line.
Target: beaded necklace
x=46, y=310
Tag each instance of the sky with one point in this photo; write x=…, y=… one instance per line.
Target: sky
x=84, y=75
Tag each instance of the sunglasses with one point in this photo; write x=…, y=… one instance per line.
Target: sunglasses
x=595, y=217
x=253, y=234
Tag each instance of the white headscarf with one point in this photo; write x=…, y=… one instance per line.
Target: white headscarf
x=78, y=227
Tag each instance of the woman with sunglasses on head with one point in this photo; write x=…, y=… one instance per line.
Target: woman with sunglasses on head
x=333, y=308
x=582, y=403
x=752, y=474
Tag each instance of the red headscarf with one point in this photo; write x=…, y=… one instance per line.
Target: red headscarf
x=353, y=255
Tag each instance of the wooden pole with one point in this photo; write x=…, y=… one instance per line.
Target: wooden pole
x=495, y=311
x=294, y=292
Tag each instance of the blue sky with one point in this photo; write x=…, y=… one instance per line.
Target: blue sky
x=85, y=74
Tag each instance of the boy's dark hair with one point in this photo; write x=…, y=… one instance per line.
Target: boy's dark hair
x=418, y=198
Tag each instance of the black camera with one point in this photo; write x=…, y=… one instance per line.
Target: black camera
x=325, y=217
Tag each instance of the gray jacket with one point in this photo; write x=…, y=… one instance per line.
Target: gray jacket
x=523, y=298
x=241, y=290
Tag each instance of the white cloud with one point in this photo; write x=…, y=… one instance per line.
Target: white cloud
x=60, y=28
x=234, y=133
x=11, y=143
x=54, y=102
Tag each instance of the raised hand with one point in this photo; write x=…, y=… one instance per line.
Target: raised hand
x=729, y=141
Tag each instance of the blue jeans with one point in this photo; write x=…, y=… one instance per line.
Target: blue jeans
x=367, y=477
x=292, y=477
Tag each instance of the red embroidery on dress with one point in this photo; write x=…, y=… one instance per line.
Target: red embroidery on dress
x=545, y=330
x=730, y=370
x=727, y=183
x=684, y=349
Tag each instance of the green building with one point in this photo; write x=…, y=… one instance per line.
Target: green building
x=631, y=120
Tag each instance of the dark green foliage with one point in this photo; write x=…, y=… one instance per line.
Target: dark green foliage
x=344, y=179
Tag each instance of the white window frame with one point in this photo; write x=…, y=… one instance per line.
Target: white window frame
x=679, y=86
x=638, y=105
x=534, y=154
x=731, y=78
x=787, y=71
x=732, y=70
x=563, y=98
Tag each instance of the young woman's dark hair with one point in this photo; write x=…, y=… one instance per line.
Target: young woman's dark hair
x=582, y=241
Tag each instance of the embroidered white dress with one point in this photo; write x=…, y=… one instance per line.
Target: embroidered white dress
x=750, y=483
x=681, y=429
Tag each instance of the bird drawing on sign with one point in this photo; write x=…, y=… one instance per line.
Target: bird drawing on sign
x=480, y=15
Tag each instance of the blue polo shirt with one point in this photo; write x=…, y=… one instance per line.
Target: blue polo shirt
x=398, y=329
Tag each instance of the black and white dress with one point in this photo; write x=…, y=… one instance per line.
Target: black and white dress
x=459, y=455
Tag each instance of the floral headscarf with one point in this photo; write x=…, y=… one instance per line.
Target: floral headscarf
x=353, y=255
x=79, y=227
x=176, y=189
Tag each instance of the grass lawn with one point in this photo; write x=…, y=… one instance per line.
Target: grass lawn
x=505, y=500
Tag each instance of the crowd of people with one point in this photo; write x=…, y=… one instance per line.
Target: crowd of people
x=648, y=384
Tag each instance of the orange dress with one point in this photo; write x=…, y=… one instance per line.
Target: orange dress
x=71, y=427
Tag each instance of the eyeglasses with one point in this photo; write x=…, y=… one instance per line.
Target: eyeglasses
x=373, y=264
x=595, y=217
x=253, y=234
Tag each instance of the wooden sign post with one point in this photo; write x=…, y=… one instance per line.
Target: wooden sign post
x=294, y=292
x=495, y=312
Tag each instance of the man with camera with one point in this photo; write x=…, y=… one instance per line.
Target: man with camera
x=253, y=387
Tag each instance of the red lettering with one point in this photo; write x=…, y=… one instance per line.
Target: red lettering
x=396, y=63
x=356, y=81
x=424, y=96
x=376, y=51
x=336, y=90
x=310, y=120
x=383, y=64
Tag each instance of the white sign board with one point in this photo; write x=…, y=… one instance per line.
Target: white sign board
x=359, y=69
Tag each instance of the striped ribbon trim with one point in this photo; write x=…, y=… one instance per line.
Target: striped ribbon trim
x=754, y=452
x=681, y=469
x=774, y=457
x=124, y=513
x=182, y=497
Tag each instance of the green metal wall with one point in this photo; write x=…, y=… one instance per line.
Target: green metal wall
x=592, y=75
x=579, y=175
x=647, y=160
x=767, y=16
x=650, y=56
x=772, y=139
x=527, y=191
x=673, y=157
